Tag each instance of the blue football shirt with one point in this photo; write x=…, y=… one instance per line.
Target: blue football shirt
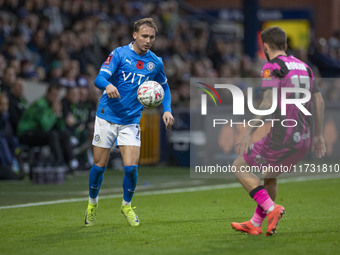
x=126, y=70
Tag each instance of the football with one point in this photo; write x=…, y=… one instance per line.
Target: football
x=150, y=94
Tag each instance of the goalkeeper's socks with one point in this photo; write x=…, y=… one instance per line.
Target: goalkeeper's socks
x=95, y=181
x=129, y=182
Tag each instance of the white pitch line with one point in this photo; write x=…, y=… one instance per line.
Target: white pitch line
x=169, y=191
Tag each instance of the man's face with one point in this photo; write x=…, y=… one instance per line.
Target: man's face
x=18, y=88
x=73, y=95
x=144, y=39
x=53, y=95
x=9, y=76
x=3, y=104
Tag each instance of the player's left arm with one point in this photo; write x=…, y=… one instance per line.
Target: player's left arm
x=167, y=116
x=318, y=142
x=245, y=141
x=161, y=79
x=107, y=69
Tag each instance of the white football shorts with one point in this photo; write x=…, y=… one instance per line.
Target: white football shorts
x=106, y=134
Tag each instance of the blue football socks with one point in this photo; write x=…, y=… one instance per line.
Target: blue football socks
x=95, y=180
x=129, y=182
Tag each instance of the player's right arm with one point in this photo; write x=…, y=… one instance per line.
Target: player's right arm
x=106, y=71
x=269, y=81
x=244, y=142
x=318, y=142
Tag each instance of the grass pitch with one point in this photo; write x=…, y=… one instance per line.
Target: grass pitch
x=196, y=222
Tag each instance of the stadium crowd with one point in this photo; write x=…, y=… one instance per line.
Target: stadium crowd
x=63, y=43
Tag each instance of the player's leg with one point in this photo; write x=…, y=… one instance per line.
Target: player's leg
x=270, y=184
x=100, y=159
x=130, y=155
x=103, y=139
x=252, y=185
x=129, y=145
x=249, y=181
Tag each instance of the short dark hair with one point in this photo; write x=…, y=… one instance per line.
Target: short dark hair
x=146, y=21
x=275, y=37
x=52, y=87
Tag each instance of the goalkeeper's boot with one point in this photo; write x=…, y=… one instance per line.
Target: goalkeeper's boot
x=130, y=215
x=90, y=215
x=247, y=227
x=274, y=218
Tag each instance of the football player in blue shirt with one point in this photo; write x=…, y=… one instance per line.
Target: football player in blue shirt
x=119, y=112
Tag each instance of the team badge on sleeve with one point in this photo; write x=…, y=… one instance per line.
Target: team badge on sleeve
x=150, y=66
x=266, y=74
x=108, y=60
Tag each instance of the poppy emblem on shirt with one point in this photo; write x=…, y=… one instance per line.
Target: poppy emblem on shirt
x=139, y=64
x=108, y=60
x=150, y=66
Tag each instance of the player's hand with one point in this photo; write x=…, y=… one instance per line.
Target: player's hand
x=70, y=120
x=319, y=146
x=242, y=144
x=168, y=120
x=56, y=107
x=112, y=91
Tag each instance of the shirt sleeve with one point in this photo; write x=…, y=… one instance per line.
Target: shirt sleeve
x=107, y=69
x=101, y=80
x=161, y=77
x=167, y=98
x=269, y=79
x=163, y=81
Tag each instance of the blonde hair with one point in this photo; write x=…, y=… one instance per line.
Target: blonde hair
x=146, y=21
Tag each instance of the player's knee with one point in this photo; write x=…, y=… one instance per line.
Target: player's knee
x=130, y=171
x=268, y=180
x=101, y=162
x=98, y=169
x=237, y=164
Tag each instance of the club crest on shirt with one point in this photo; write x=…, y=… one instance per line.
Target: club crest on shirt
x=97, y=138
x=150, y=66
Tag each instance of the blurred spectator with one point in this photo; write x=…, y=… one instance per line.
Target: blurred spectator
x=15, y=63
x=17, y=103
x=52, y=11
x=58, y=41
x=69, y=111
x=328, y=65
x=76, y=114
x=8, y=79
x=8, y=143
x=333, y=94
x=3, y=64
x=42, y=124
x=54, y=72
